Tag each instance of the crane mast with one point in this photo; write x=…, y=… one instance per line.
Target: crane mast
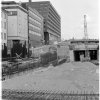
x=85, y=28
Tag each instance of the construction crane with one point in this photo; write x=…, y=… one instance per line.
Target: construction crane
x=86, y=38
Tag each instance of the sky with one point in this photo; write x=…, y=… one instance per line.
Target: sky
x=72, y=17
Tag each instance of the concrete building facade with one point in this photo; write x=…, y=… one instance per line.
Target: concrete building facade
x=17, y=25
x=78, y=49
x=25, y=25
x=4, y=28
x=52, y=21
x=35, y=27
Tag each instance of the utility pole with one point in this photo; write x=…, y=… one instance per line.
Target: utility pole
x=86, y=38
x=28, y=28
x=28, y=4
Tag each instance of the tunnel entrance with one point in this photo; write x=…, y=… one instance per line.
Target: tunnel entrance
x=77, y=54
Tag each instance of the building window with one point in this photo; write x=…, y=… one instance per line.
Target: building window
x=1, y=35
x=4, y=36
x=2, y=47
x=1, y=14
x=12, y=13
x=35, y=15
x=4, y=15
x=4, y=25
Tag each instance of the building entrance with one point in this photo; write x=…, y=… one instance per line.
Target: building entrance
x=77, y=54
x=93, y=54
x=46, y=37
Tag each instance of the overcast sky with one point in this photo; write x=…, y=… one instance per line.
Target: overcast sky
x=72, y=17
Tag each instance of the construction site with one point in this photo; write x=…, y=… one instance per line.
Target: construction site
x=67, y=74
x=68, y=70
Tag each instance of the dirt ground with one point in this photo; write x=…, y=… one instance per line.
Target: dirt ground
x=73, y=76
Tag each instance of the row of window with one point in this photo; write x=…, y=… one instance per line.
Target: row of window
x=57, y=20
x=34, y=21
x=35, y=27
x=12, y=13
x=54, y=20
x=35, y=33
x=3, y=15
x=4, y=25
x=53, y=25
x=3, y=36
x=50, y=27
x=35, y=15
x=54, y=12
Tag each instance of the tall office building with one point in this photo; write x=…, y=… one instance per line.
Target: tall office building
x=52, y=21
x=35, y=26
